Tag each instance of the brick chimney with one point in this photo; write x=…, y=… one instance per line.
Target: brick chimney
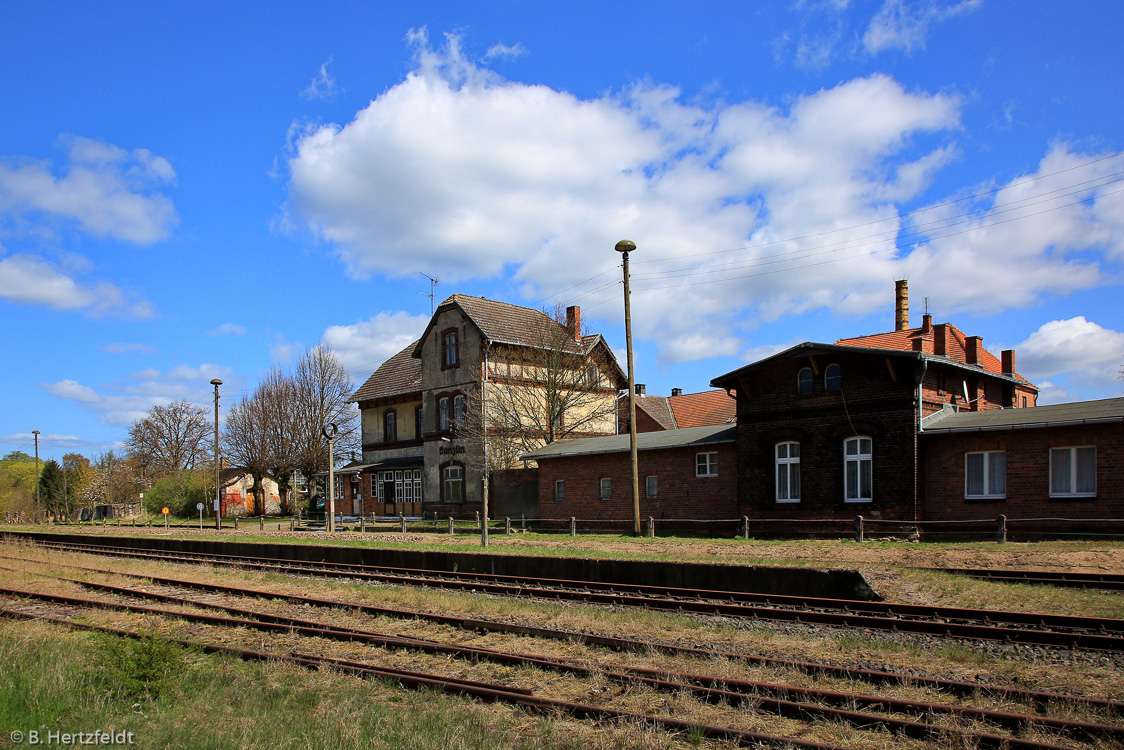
x=940, y=339
x=926, y=323
x=574, y=321
x=676, y=391
x=1008, y=356
x=972, y=350
x=923, y=344
x=901, y=306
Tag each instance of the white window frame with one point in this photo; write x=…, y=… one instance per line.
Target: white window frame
x=606, y=488
x=988, y=470
x=651, y=487
x=858, y=459
x=559, y=489
x=449, y=481
x=706, y=464
x=789, y=465
x=1072, y=467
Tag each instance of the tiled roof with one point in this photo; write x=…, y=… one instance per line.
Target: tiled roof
x=645, y=441
x=1080, y=412
x=399, y=374
x=505, y=323
x=956, y=345
x=656, y=407
x=700, y=409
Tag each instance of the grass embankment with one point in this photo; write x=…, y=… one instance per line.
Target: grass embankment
x=52, y=679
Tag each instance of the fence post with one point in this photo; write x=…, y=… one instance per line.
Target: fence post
x=477, y=518
x=292, y=523
x=402, y=523
x=573, y=526
x=450, y=525
x=745, y=528
x=651, y=526
x=859, y=529
x=1002, y=529
x=524, y=516
x=362, y=523
x=261, y=523
x=507, y=524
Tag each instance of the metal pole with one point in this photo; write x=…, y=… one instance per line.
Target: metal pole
x=37, y=506
x=484, y=425
x=218, y=497
x=331, y=488
x=624, y=247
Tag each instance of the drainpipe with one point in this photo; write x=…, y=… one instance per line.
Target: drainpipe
x=920, y=429
x=921, y=396
x=484, y=437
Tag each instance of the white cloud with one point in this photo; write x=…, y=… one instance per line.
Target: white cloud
x=1086, y=353
x=459, y=173
x=28, y=279
x=362, y=347
x=122, y=403
x=504, y=52
x=323, y=85
x=904, y=24
x=282, y=350
x=106, y=190
x=228, y=329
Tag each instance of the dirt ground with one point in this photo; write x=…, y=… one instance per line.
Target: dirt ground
x=1084, y=556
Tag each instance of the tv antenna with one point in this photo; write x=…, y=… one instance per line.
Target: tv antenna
x=432, y=283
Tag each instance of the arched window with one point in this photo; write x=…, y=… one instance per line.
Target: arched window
x=858, y=470
x=804, y=382
x=390, y=426
x=788, y=472
x=459, y=412
x=443, y=414
x=833, y=378
x=452, y=483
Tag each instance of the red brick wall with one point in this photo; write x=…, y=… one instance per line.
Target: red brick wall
x=1028, y=473
x=681, y=494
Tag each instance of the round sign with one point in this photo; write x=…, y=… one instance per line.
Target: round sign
x=164, y=511
x=198, y=506
x=330, y=431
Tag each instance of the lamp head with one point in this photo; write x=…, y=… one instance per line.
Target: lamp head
x=625, y=246
x=216, y=382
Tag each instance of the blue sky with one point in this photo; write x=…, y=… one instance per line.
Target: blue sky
x=199, y=190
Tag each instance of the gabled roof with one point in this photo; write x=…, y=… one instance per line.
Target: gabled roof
x=1053, y=415
x=399, y=374
x=706, y=408
x=645, y=441
x=730, y=379
x=656, y=407
x=498, y=322
x=955, y=345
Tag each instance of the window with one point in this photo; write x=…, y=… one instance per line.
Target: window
x=985, y=475
x=606, y=488
x=443, y=414
x=458, y=412
x=651, y=487
x=419, y=422
x=857, y=470
x=833, y=378
x=1073, y=472
x=449, y=356
x=788, y=472
x=390, y=427
x=559, y=489
x=706, y=464
x=452, y=483
x=804, y=382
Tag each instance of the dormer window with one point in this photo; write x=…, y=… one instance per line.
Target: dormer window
x=804, y=382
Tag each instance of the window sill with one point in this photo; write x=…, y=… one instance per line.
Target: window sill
x=985, y=498
x=789, y=502
x=705, y=476
x=1082, y=496
x=864, y=501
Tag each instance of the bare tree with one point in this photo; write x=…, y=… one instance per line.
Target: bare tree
x=278, y=392
x=551, y=386
x=246, y=441
x=322, y=390
x=169, y=438
x=113, y=480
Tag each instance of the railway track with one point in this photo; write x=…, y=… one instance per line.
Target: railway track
x=1034, y=629
x=1102, y=581
x=782, y=700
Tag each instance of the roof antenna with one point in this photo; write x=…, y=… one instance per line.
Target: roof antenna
x=432, y=283
x=926, y=305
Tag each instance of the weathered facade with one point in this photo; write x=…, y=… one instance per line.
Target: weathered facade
x=432, y=412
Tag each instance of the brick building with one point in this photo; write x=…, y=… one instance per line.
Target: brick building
x=1057, y=461
x=428, y=411
x=832, y=430
x=684, y=474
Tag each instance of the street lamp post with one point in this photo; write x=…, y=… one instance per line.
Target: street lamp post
x=38, y=507
x=624, y=247
x=330, y=432
x=218, y=496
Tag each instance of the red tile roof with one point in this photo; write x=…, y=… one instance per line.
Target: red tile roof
x=702, y=409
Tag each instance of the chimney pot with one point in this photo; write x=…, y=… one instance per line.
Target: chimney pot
x=676, y=391
x=926, y=323
x=901, y=306
x=640, y=389
x=574, y=322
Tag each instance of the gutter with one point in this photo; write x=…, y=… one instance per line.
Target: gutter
x=1027, y=426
